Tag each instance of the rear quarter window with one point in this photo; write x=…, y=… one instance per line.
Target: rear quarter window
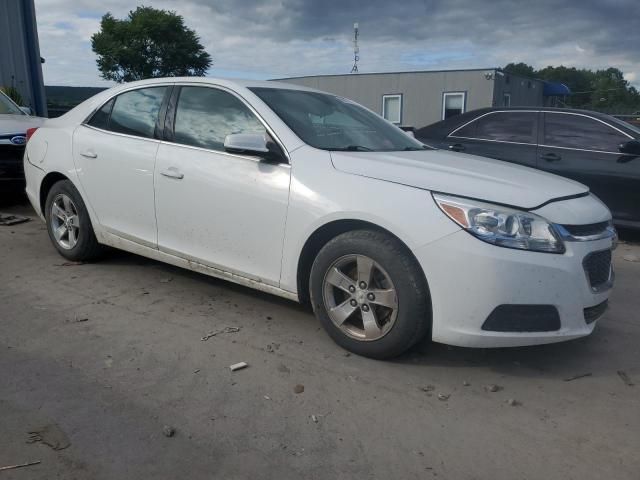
x=136, y=112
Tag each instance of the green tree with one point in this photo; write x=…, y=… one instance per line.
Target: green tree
x=13, y=94
x=520, y=69
x=602, y=90
x=148, y=43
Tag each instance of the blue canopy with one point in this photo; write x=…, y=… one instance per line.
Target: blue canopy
x=555, y=89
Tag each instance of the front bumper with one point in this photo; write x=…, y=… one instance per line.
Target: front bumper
x=469, y=278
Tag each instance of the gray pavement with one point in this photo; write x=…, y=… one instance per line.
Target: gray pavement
x=107, y=354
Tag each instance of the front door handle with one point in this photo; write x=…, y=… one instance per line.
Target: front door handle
x=89, y=154
x=551, y=157
x=457, y=147
x=173, y=172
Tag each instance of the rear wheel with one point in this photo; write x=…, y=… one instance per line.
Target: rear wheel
x=68, y=223
x=369, y=294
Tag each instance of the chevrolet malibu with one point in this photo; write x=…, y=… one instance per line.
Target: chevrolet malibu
x=314, y=198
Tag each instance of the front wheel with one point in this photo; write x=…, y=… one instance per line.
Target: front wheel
x=369, y=294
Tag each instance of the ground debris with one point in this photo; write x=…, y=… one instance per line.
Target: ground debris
x=428, y=388
x=69, y=264
x=166, y=280
x=444, y=396
x=576, y=377
x=13, y=467
x=10, y=219
x=625, y=378
x=513, y=402
x=216, y=332
x=238, y=366
x=466, y=384
x=632, y=258
x=298, y=388
x=493, y=388
x=314, y=418
x=283, y=368
x=272, y=347
x=50, y=435
x=168, y=431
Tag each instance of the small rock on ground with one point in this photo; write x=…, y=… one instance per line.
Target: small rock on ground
x=168, y=431
x=493, y=388
x=298, y=388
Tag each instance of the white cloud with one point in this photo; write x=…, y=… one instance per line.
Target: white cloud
x=296, y=37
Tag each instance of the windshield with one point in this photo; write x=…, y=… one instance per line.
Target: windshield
x=7, y=107
x=333, y=123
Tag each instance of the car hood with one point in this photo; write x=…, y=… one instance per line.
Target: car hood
x=18, y=123
x=460, y=174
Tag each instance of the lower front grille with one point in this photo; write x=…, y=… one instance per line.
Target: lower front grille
x=523, y=318
x=591, y=314
x=597, y=266
x=11, y=161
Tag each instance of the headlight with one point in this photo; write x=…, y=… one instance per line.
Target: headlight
x=501, y=226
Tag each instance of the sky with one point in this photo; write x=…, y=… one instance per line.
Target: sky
x=279, y=38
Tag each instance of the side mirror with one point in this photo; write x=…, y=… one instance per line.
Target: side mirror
x=26, y=110
x=632, y=147
x=255, y=143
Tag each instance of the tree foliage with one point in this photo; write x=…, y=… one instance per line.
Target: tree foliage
x=13, y=94
x=605, y=90
x=148, y=43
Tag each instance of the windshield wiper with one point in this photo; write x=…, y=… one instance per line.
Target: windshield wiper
x=415, y=149
x=351, y=148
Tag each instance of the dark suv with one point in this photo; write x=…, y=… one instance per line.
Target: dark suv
x=597, y=150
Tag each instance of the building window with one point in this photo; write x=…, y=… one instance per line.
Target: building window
x=453, y=103
x=392, y=108
x=506, y=99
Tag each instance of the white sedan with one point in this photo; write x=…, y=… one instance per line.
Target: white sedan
x=314, y=198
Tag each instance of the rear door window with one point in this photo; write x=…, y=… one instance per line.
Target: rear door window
x=136, y=112
x=507, y=127
x=576, y=131
x=205, y=116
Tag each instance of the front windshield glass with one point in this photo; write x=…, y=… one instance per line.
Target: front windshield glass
x=333, y=123
x=7, y=107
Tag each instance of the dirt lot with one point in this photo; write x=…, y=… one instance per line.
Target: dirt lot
x=106, y=355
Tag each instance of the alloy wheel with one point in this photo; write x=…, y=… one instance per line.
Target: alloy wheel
x=360, y=297
x=65, y=223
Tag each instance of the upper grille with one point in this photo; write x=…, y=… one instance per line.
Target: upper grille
x=586, y=230
x=597, y=265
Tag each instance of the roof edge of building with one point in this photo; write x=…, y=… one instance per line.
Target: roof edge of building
x=387, y=73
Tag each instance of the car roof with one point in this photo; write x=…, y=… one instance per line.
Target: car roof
x=444, y=127
x=227, y=82
x=80, y=112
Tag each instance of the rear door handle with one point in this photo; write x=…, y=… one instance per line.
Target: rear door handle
x=89, y=154
x=457, y=147
x=173, y=172
x=551, y=157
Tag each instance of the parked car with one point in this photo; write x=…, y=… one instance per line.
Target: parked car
x=595, y=149
x=314, y=198
x=14, y=123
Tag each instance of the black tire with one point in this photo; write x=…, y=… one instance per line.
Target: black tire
x=87, y=247
x=413, y=318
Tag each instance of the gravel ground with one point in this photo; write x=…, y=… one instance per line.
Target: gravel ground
x=105, y=362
